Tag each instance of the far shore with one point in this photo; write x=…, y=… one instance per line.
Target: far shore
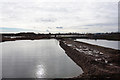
x=115, y=36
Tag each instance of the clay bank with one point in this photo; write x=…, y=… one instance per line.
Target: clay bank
x=96, y=61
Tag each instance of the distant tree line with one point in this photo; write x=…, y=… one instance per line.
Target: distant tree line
x=32, y=35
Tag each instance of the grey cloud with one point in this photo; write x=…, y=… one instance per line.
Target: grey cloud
x=49, y=28
x=46, y=20
x=102, y=24
x=84, y=28
x=59, y=27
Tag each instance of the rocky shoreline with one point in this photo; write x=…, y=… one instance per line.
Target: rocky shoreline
x=96, y=61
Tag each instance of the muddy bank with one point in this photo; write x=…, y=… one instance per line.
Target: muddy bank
x=96, y=61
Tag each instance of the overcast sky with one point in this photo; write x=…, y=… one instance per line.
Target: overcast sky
x=59, y=16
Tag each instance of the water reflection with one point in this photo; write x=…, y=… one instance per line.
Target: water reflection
x=40, y=73
x=0, y=61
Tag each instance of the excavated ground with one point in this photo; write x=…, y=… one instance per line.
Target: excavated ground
x=96, y=61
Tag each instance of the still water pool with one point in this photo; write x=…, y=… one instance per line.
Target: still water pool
x=104, y=43
x=36, y=59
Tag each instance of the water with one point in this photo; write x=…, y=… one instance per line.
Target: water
x=37, y=59
x=0, y=61
x=104, y=43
